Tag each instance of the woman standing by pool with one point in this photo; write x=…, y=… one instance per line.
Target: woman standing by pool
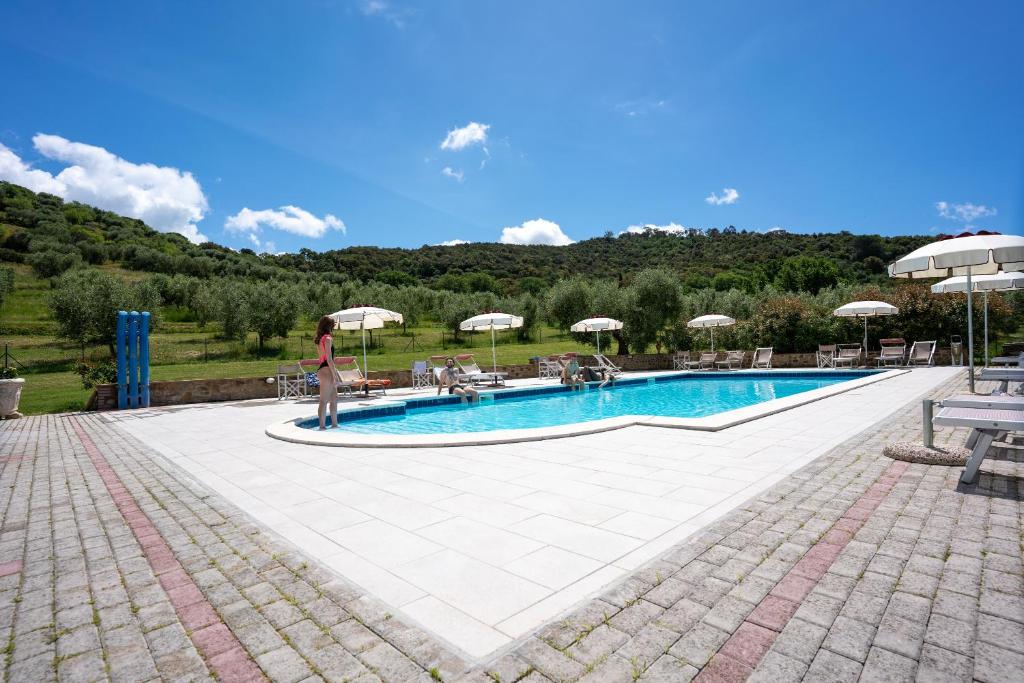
x=327, y=373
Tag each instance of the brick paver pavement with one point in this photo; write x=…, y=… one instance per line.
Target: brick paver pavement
x=115, y=564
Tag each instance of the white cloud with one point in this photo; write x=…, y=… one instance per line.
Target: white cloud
x=385, y=10
x=452, y=173
x=966, y=213
x=633, y=108
x=164, y=197
x=537, y=231
x=451, y=243
x=467, y=136
x=671, y=228
x=729, y=196
x=288, y=218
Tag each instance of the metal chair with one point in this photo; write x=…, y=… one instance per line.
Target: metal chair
x=680, y=359
x=291, y=382
x=422, y=376
x=826, y=356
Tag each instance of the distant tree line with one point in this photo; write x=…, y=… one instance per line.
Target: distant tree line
x=53, y=237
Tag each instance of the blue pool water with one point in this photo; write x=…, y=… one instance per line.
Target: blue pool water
x=680, y=395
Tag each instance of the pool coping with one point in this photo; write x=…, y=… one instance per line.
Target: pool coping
x=291, y=432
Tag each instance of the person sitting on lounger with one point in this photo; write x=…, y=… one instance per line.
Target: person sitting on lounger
x=571, y=374
x=449, y=377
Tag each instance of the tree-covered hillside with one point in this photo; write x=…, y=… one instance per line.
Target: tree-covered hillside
x=53, y=236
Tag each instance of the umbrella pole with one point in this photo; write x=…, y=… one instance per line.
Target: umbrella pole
x=494, y=353
x=597, y=333
x=366, y=370
x=712, y=340
x=986, y=328
x=970, y=333
x=865, y=340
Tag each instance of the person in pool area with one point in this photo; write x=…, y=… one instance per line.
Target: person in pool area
x=571, y=374
x=326, y=373
x=449, y=377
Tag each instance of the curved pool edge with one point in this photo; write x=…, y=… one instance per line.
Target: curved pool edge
x=291, y=432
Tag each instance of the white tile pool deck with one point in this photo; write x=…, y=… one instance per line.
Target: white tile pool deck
x=483, y=544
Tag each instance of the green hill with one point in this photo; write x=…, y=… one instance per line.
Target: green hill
x=53, y=236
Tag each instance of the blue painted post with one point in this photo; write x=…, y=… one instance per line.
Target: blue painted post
x=122, y=363
x=133, y=359
x=144, y=361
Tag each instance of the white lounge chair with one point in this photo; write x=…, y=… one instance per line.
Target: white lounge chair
x=733, y=359
x=848, y=355
x=826, y=356
x=549, y=367
x=705, y=362
x=470, y=371
x=680, y=359
x=1004, y=376
x=921, y=353
x=892, y=353
x=993, y=402
x=606, y=365
x=988, y=424
x=762, y=358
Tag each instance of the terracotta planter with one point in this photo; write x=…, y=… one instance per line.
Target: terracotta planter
x=10, y=394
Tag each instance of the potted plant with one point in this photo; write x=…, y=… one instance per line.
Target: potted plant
x=10, y=392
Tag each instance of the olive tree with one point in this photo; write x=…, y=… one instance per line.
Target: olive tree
x=85, y=304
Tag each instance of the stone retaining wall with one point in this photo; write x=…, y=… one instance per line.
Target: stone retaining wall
x=181, y=392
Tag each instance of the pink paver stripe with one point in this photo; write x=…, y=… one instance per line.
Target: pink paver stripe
x=12, y=567
x=738, y=658
x=220, y=648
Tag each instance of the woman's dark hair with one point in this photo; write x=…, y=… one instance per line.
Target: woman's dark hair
x=323, y=328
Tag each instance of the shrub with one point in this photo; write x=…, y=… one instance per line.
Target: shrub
x=104, y=372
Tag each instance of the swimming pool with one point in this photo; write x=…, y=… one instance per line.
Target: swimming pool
x=679, y=395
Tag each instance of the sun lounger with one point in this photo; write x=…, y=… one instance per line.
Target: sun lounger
x=733, y=359
x=921, y=353
x=988, y=425
x=471, y=372
x=993, y=402
x=1004, y=376
x=705, y=362
x=549, y=367
x=350, y=379
x=762, y=358
x=848, y=355
x=606, y=365
x=892, y=353
x=1011, y=361
x=826, y=356
x=680, y=359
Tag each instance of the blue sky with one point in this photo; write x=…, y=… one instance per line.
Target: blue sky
x=589, y=116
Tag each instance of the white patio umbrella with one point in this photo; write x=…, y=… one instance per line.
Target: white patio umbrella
x=865, y=309
x=1000, y=282
x=364, y=318
x=492, y=321
x=596, y=325
x=969, y=255
x=711, y=321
